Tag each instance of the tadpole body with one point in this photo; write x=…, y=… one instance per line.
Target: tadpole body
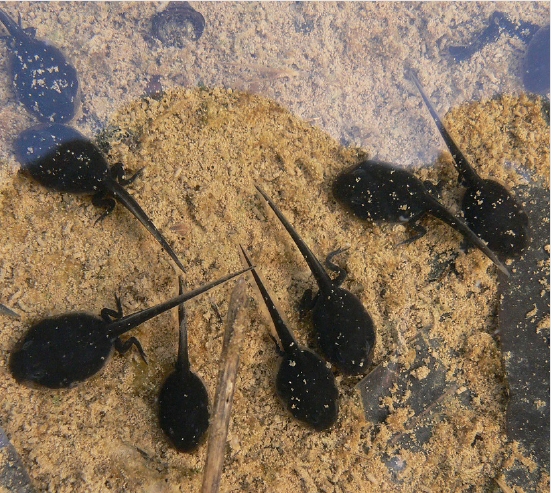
x=490, y=210
x=64, y=350
x=62, y=159
x=344, y=329
x=43, y=80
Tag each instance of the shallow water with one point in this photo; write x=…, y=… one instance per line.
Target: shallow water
x=337, y=65
x=340, y=68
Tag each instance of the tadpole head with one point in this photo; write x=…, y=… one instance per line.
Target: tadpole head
x=344, y=184
x=345, y=331
x=61, y=158
x=379, y=191
x=348, y=190
x=184, y=410
x=307, y=389
x=495, y=216
x=61, y=352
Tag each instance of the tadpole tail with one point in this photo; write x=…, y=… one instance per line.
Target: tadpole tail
x=324, y=281
x=124, y=324
x=183, y=357
x=13, y=28
x=466, y=172
x=288, y=342
x=130, y=203
x=440, y=212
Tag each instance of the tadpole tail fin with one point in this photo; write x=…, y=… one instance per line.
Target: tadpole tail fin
x=466, y=172
x=322, y=278
x=124, y=324
x=13, y=28
x=183, y=357
x=437, y=210
x=288, y=342
x=130, y=203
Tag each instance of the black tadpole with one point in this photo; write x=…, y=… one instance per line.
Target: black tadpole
x=379, y=191
x=60, y=158
x=62, y=351
x=183, y=399
x=490, y=210
x=304, y=383
x=42, y=79
x=344, y=329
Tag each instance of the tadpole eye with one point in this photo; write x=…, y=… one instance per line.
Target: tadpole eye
x=26, y=345
x=314, y=417
x=36, y=373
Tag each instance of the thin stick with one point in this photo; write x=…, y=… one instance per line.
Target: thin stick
x=231, y=347
x=8, y=311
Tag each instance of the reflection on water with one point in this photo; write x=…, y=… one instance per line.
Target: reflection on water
x=339, y=66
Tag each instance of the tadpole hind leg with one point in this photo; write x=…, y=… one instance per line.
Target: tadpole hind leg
x=342, y=273
x=118, y=173
x=101, y=199
x=124, y=347
x=434, y=189
x=306, y=303
x=465, y=245
x=417, y=228
x=31, y=31
x=109, y=315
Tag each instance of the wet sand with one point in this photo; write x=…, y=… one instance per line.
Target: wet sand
x=203, y=151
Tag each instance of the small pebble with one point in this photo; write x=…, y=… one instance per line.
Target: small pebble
x=177, y=25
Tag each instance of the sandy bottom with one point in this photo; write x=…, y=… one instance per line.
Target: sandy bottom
x=203, y=150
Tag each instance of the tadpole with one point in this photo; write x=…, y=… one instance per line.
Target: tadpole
x=62, y=159
x=183, y=399
x=43, y=80
x=61, y=351
x=490, y=210
x=304, y=383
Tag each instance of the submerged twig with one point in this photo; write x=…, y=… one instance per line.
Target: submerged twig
x=8, y=311
x=231, y=347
